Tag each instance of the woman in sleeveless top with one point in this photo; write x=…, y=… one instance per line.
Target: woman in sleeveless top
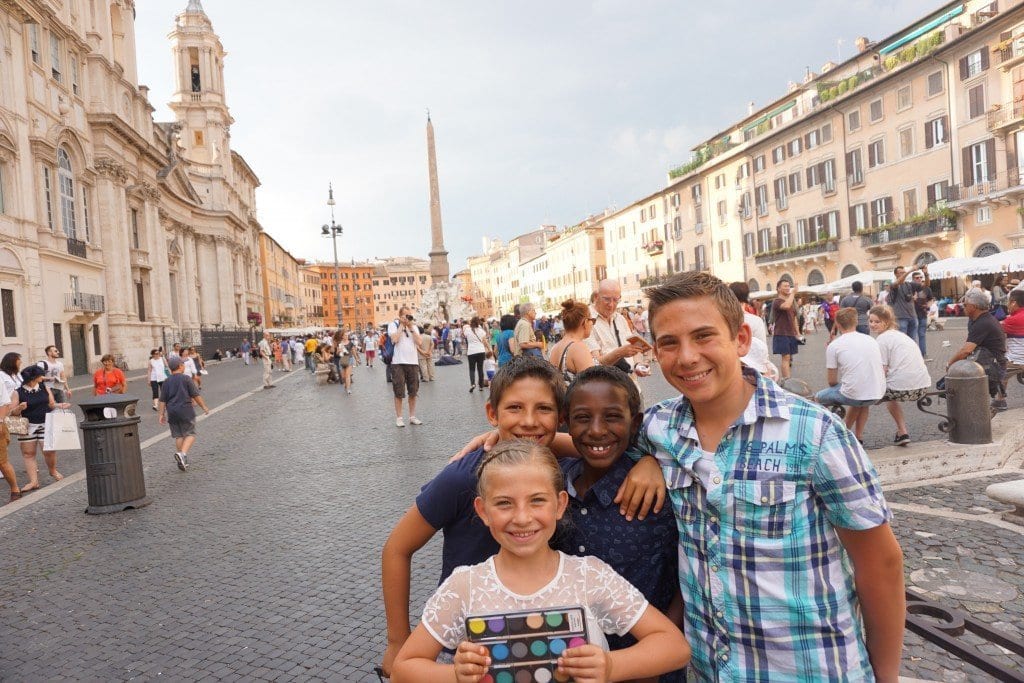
x=571, y=355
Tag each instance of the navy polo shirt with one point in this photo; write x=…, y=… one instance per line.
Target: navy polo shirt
x=446, y=502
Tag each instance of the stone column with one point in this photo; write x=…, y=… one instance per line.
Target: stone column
x=209, y=300
x=225, y=283
x=188, y=305
x=111, y=220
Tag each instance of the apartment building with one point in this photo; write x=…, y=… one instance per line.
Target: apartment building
x=398, y=281
x=354, y=282
x=905, y=153
x=281, y=284
x=508, y=272
x=311, y=300
x=483, y=270
x=576, y=263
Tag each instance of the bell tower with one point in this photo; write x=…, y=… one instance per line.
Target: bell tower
x=198, y=102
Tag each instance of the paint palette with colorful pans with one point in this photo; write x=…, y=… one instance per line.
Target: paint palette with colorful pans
x=524, y=646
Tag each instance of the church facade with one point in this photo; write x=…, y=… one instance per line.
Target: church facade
x=117, y=233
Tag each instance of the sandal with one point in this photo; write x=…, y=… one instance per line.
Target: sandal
x=29, y=489
x=15, y=495
x=57, y=477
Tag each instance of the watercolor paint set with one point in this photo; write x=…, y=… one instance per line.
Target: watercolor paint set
x=524, y=646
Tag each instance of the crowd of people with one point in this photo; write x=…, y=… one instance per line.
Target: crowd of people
x=877, y=348
x=751, y=471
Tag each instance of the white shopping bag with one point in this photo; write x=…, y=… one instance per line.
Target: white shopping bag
x=61, y=432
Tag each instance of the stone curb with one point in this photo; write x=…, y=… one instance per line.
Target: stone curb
x=931, y=459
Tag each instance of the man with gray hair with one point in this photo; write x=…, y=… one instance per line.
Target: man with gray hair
x=986, y=343
x=526, y=338
x=612, y=331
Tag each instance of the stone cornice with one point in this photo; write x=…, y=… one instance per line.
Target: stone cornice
x=146, y=191
x=15, y=8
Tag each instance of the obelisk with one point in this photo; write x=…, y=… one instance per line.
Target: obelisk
x=438, y=254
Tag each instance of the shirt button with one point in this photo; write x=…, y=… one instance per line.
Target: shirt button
x=717, y=480
x=764, y=499
x=724, y=657
x=714, y=567
x=714, y=520
x=583, y=548
x=583, y=511
x=719, y=614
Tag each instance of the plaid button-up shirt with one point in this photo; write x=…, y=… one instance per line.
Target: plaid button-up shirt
x=767, y=585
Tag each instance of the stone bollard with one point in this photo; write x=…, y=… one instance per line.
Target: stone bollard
x=322, y=372
x=798, y=387
x=967, y=403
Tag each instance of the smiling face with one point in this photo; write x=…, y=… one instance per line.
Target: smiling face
x=600, y=423
x=609, y=293
x=528, y=410
x=876, y=325
x=108, y=365
x=521, y=507
x=697, y=353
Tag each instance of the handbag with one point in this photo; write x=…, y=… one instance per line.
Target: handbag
x=60, y=432
x=16, y=425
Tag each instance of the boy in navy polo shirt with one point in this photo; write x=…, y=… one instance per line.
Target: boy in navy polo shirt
x=525, y=402
x=604, y=411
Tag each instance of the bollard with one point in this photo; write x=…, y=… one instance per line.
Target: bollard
x=798, y=387
x=967, y=403
x=113, y=459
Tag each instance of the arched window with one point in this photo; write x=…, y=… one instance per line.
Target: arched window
x=815, y=277
x=787, y=277
x=925, y=258
x=986, y=249
x=753, y=285
x=849, y=270
x=66, y=184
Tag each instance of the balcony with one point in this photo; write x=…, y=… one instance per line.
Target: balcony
x=76, y=247
x=828, y=187
x=86, y=303
x=654, y=280
x=654, y=248
x=1006, y=189
x=855, y=179
x=1004, y=116
x=911, y=233
x=1011, y=53
x=818, y=250
x=743, y=212
x=781, y=203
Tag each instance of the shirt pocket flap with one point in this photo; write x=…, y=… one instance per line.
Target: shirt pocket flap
x=765, y=492
x=676, y=478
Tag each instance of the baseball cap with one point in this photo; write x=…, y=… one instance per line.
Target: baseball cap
x=977, y=297
x=174, y=363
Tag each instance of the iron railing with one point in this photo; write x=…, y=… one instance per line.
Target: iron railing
x=932, y=226
x=797, y=252
x=76, y=247
x=87, y=303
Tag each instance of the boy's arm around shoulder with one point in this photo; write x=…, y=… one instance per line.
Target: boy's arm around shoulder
x=410, y=534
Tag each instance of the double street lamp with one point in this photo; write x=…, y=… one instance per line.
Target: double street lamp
x=334, y=231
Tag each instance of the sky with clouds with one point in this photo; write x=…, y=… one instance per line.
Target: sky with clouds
x=544, y=112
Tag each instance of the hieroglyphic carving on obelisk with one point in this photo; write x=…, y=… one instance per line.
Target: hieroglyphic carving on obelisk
x=438, y=254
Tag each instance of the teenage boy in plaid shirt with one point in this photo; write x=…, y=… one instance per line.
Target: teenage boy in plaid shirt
x=785, y=545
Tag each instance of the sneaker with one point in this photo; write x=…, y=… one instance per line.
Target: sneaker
x=902, y=439
x=182, y=460
x=415, y=420
x=399, y=422
x=472, y=388
x=999, y=404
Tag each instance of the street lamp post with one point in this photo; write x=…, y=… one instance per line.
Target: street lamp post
x=572, y=256
x=333, y=231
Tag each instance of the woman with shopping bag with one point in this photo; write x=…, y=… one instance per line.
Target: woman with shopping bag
x=36, y=403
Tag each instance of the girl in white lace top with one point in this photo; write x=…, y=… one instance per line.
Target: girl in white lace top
x=521, y=500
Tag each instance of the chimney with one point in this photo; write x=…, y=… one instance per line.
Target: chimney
x=862, y=44
x=750, y=108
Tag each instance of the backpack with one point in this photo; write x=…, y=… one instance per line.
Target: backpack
x=387, y=353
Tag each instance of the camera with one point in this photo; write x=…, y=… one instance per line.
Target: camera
x=409, y=318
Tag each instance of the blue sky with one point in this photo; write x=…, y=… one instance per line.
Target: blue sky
x=544, y=112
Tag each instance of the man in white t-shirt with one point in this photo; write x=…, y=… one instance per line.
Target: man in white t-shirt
x=56, y=378
x=405, y=364
x=856, y=377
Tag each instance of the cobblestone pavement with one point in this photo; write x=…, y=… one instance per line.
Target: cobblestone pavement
x=262, y=561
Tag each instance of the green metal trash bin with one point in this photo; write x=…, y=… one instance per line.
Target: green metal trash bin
x=113, y=458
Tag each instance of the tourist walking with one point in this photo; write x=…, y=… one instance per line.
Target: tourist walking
x=860, y=303
x=158, y=372
x=475, y=335
x=35, y=401
x=245, y=349
x=1013, y=326
x=108, y=379
x=425, y=351
x=370, y=346
x=56, y=378
x=286, y=354
x=345, y=360
x=923, y=299
x=906, y=375
x=176, y=410
x=405, y=366
x=265, y=354
x=570, y=354
x=504, y=344
x=785, y=334
x=310, y=348
x=5, y=441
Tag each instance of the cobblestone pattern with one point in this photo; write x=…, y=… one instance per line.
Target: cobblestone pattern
x=262, y=562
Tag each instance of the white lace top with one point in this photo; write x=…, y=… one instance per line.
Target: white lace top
x=611, y=603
